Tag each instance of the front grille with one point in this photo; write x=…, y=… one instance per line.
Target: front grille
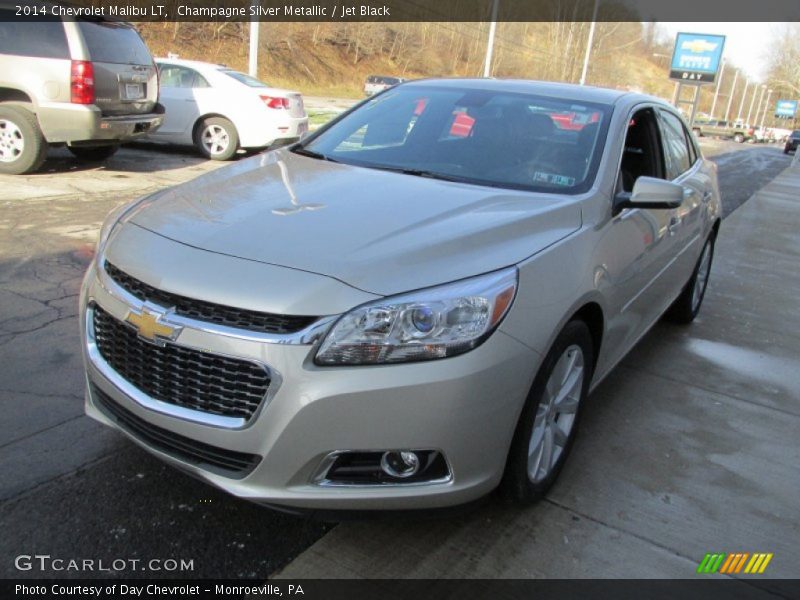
x=181, y=376
x=210, y=312
x=218, y=460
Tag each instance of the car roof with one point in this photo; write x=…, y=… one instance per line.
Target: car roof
x=197, y=64
x=564, y=91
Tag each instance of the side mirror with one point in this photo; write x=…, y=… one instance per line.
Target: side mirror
x=650, y=192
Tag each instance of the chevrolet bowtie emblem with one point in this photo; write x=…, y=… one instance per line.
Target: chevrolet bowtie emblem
x=150, y=326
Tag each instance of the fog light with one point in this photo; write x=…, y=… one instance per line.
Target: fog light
x=400, y=464
x=382, y=467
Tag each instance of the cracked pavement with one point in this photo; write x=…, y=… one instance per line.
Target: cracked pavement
x=75, y=489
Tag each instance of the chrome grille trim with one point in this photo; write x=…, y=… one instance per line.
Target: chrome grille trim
x=135, y=394
x=209, y=312
x=305, y=337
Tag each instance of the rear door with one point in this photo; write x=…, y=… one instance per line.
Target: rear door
x=125, y=77
x=179, y=85
x=684, y=166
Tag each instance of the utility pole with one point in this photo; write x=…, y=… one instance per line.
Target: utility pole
x=730, y=95
x=252, y=67
x=716, y=91
x=741, y=104
x=487, y=66
x=589, y=44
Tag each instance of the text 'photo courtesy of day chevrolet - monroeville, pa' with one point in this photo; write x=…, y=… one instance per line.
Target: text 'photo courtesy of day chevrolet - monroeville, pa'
x=399, y=299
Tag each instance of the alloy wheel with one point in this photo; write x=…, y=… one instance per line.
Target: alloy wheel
x=701, y=281
x=555, y=415
x=215, y=139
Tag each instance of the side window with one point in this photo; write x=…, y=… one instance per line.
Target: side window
x=693, y=153
x=41, y=38
x=676, y=149
x=642, y=153
x=180, y=77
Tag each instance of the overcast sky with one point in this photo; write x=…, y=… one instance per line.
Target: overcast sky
x=746, y=44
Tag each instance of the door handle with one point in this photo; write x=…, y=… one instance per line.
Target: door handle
x=674, y=224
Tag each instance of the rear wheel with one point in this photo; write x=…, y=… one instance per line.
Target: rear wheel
x=94, y=153
x=22, y=145
x=217, y=138
x=686, y=307
x=738, y=138
x=697, y=132
x=549, y=420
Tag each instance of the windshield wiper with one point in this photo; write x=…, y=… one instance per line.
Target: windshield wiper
x=311, y=154
x=418, y=173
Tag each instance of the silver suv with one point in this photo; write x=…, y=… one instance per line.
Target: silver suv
x=89, y=84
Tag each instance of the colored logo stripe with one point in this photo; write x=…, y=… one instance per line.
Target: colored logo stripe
x=724, y=563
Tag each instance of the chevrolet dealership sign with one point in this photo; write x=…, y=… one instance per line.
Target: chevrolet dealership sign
x=697, y=57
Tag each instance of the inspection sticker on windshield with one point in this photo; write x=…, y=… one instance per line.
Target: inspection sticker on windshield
x=553, y=179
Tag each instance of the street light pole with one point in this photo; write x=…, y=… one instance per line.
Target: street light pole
x=589, y=44
x=487, y=66
x=741, y=104
x=766, y=106
x=760, y=100
x=716, y=91
x=252, y=67
x=730, y=95
x=752, y=102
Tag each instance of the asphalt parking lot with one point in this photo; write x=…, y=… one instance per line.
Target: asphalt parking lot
x=74, y=489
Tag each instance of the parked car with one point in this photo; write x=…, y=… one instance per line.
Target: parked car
x=378, y=83
x=737, y=131
x=89, y=84
x=792, y=141
x=220, y=110
x=395, y=313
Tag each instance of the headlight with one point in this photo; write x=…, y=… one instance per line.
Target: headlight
x=423, y=325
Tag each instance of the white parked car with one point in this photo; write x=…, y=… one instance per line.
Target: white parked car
x=220, y=110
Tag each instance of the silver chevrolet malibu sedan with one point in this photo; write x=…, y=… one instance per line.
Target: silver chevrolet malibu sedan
x=408, y=308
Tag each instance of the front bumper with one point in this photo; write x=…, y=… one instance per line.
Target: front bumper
x=466, y=407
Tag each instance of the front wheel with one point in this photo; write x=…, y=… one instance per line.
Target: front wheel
x=548, y=423
x=686, y=307
x=217, y=138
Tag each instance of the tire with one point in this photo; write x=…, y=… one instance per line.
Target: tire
x=697, y=132
x=94, y=153
x=216, y=138
x=738, y=138
x=526, y=478
x=687, y=305
x=22, y=145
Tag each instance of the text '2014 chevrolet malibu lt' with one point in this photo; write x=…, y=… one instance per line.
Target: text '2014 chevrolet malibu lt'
x=408, y=308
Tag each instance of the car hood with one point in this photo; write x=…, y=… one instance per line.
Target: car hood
x=378, y=231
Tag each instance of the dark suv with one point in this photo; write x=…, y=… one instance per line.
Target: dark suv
x=792, y=142
x=86, y=83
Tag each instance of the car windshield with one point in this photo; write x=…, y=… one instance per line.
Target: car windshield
x=796, y=134
x=479, y=136
x=245, y=79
